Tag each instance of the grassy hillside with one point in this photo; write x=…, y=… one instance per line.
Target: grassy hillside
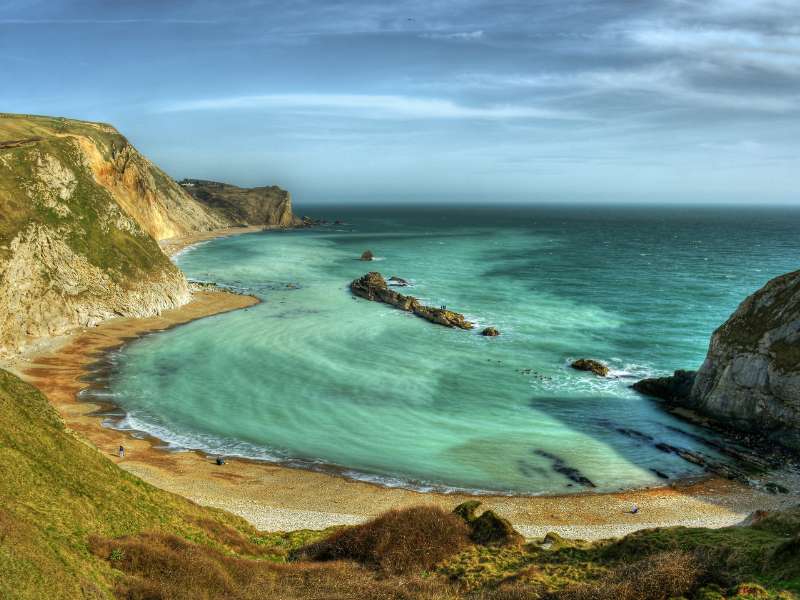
x=56, y=491
x=74, y=525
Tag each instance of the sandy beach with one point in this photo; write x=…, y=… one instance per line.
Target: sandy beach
x=274, y=497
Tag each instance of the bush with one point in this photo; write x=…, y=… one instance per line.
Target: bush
x=659, y=577
x=399, y=541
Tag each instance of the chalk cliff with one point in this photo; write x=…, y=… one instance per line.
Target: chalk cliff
x=81, y=211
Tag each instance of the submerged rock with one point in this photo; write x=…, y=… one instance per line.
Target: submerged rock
x=367, y=255
x=588, y=364
x=373, y=286
x=559, y=466
x=490, y=332
x=488, y=529
x=398, y=281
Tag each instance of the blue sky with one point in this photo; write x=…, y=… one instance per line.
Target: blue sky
x=438, y=100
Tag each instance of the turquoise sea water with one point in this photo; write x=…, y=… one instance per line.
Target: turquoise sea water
x=315, y=378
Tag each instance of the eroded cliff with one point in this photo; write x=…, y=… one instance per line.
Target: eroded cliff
x=750, y=378
x=270, y=206
x=79, y=211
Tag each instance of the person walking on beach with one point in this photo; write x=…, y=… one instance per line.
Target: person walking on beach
x=121, y=452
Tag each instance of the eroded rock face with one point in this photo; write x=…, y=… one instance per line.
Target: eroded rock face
x=588, y=364
x=269, y=206
x=751, y=374
x=373, y=286
x=79, y=209
x=750, y=379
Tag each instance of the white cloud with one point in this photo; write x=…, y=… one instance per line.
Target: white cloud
x=368, y=106
x=666, y=80
x=731, y=47
x=461, y=36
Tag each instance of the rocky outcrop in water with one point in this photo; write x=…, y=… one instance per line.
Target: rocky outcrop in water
x=269, y=206
x=588, y=364
x=373, y=286
x=490, y=332
x=675, y=388
x=367, y=255
x=750, y=379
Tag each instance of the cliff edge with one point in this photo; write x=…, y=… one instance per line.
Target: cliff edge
x=750, y=378
x=81, y=211
x=269, y=206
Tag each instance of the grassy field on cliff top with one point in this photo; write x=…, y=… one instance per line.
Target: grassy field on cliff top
x=82, y=218
x=74, y=525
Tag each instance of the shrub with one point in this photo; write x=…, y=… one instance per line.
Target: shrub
x=659, y=577
x=399, y=541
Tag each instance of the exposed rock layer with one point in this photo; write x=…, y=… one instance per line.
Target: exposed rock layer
x=270, y=206
x=80, y=213
x=750, y=378
x=372, y=286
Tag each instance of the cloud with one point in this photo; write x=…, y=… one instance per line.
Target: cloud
x=106, y=21
x=462, y=36
x=732, y=47
x=666, y=81
x=369, y=106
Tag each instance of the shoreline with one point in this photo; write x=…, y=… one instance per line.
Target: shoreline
x=279, y=497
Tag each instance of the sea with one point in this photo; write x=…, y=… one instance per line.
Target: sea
x=315, y=378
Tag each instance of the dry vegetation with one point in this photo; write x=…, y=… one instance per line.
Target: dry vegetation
x=415, y=539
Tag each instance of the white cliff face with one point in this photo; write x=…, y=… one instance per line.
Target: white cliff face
x=751, y=375
x=48, y=289
x=79, y=210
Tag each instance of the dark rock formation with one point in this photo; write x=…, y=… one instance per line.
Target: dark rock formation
x=270, y=206
x=490, y=332
x=675, y=388
x=488, y=529
x=398, y=281
x=559, y=466
x=588, y=364
x=367, y=255
x=750, y=379
x=372, y=286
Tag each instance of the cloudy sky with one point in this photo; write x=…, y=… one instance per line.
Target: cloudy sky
x=431, y=100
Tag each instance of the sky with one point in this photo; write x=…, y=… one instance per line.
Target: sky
x=431, y=101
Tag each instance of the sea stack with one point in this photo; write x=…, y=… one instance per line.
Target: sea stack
x=490, y=332
x=367, y=255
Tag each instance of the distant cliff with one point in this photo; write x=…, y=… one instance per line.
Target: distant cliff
x=81, y=211
x=270, y=206
x=750, y=378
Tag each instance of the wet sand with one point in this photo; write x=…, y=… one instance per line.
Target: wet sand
x=274, y=497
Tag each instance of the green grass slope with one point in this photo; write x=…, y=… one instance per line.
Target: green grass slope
x=56, y=491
